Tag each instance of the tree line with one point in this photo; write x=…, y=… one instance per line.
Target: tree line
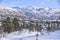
x=13, y=25
x=9, y=25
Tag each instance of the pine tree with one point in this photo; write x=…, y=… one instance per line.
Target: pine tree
x=31, y=26
x=16, y=24
x=24, y=25
x=8, y=25
x=1, y=28
x=48, y=29
x=37, y=27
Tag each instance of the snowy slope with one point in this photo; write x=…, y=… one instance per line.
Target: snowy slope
x=32, y=36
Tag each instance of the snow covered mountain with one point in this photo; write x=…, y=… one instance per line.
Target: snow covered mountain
x=10, y=12
x=40, y=13
x=31, y=12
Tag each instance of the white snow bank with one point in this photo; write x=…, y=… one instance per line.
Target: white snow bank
x=17, y=34
x=25, y=35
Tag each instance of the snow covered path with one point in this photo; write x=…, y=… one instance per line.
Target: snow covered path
x=51, y=36
x=32, y=36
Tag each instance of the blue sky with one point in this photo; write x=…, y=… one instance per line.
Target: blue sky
x=40, y=3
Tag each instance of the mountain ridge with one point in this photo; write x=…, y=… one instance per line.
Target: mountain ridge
x=31, y=12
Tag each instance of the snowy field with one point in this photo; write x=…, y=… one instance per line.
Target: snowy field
x=26, y=35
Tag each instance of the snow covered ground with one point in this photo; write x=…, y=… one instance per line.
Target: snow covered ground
x=26, y=35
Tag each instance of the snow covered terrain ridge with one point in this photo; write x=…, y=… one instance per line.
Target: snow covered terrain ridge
x=40, y=13
x=10, y=12
x=31, y=12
